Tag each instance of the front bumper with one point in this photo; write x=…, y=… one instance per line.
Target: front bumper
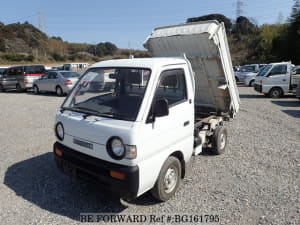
x=91, y=169
x=258, y=87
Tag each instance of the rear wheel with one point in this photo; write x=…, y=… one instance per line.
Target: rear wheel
x=36, y=89
x=275, y=93
x=219, y=140
x=168, y=179
x=59, y=91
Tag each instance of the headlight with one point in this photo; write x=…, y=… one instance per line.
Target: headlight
x=115, y=148
x=59, y=131
x=118, y=150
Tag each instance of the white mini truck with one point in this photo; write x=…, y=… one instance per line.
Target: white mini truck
x=139, y=132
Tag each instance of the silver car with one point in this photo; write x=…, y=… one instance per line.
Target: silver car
x=60, y=82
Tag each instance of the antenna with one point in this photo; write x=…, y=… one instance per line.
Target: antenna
x=41, y=19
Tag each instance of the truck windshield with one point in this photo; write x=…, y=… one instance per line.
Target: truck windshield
x=264, y=71
x=109, y=92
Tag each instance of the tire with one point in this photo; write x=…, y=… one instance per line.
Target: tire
x=59, y=91
x=275, y=93
x=219, y=140
x=251, y=83
x=19, y=88
x=2, y=88
x=36, y=90
x=168, y=180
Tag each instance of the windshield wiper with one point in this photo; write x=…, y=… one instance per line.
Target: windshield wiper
x=115, y=115
x=87, y=112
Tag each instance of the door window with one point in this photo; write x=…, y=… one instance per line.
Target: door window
x=52, y=75
x=172, y=87
x=279, y=69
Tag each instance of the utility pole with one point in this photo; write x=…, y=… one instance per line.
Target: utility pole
x=41, y=19
x=239, y=8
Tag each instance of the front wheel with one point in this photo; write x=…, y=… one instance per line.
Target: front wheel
x=168, y=179
x=219, y=140
x=36, y=90
x=2, y=88
x=251, y=83
x=19, y=88
x=59, y=91
x=275, y=93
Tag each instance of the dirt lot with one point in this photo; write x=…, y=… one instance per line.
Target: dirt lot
x=257, y=180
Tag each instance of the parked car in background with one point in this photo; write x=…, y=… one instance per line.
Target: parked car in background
x=75, y=67
x=60, y=82
x=244, y=70
x=249, y=78
x=21, y=77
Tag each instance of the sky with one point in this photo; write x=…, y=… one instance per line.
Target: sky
x=128, y=23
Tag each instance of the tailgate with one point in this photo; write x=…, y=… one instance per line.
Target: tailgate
x=205, y=45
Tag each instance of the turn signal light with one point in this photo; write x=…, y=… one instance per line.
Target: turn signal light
x=117, y=175
x=58, y=152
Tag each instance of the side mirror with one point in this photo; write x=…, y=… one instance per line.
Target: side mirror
x=161, y=108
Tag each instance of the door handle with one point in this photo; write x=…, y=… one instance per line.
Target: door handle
x=186, y=123
x=284, y=80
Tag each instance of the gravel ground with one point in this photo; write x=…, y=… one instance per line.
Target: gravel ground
x=256, y=181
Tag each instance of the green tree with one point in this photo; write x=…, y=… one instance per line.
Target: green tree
x=294, y=34
x=218, y=17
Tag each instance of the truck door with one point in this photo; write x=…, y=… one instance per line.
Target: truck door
x=173, y=132
x=279, y=76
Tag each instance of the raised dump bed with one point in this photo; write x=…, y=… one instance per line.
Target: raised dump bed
x=205, y=46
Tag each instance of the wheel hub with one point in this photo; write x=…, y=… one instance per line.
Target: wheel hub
x=170, y=180
x=222, y=141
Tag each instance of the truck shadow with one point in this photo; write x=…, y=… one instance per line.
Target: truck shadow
x=252, y=96
x=293, y=113
x=38, y=181
x=295, y=103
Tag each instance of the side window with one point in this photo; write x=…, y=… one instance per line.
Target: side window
x=45, y=76
x=172, y=86
x=52, y=75
x=279, y=69
x=10, y=71
x=67, y=67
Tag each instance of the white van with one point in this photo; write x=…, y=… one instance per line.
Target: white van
x=140, y=134
x=275, y=80
x=75, y=67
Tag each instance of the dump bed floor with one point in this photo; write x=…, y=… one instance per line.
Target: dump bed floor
x=205, y=46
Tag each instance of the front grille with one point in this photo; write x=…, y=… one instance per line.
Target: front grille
x=83, y=143
x=84, y=165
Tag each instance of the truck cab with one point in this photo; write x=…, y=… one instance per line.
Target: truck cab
x=275, y=80
x=140, y=133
